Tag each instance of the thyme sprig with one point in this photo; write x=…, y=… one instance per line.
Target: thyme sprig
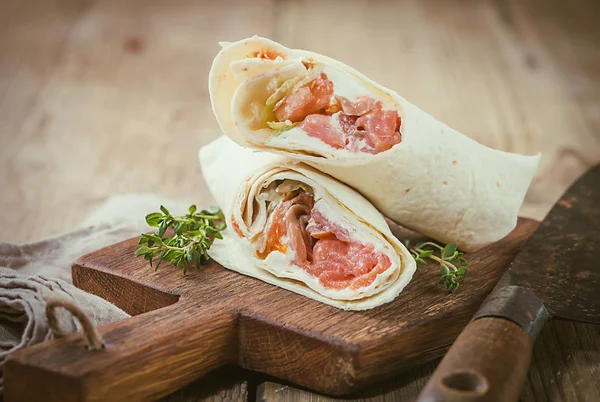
x=453, y=267
x=193, y=235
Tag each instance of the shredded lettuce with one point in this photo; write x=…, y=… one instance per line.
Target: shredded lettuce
x=280, y=126
x=268, y=114
x=310, y=75
x=270, y=195
x=283, y=90
x=291, y=85
x=277, y=190
x=287, y=87
x=289, y=186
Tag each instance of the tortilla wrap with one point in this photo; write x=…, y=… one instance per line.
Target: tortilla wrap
x=435, y=181
x=238, y=178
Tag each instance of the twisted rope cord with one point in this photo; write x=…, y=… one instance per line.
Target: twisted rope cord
x=92, y=337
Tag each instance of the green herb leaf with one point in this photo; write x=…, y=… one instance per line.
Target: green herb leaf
x=449, y=251
x=194, y=234
x=142, y=251
x=179, y=227
x=153, y=219
x=449, y=258
x=162, y=228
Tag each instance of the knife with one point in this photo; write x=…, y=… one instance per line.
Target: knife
x=556, y=275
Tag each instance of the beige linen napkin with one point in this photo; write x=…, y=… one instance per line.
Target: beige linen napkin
x=31, y=272
x=23, y=319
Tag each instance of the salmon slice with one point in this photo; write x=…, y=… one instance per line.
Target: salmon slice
x=321, y=228
x=363, y=125
x=383, y=263
x=382, y=128
x=339, y=261
x=297, y=217
x=286, y=225
x=340, y=265
x=319, y=126
x=363, y=105
x=323, y=249
x=312, y=98
x=274, y=232
x=293, y=108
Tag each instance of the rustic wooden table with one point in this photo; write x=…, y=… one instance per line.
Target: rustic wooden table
x=105, y=97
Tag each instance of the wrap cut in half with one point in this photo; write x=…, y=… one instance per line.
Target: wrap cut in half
x=414, y=169
x=295, y=227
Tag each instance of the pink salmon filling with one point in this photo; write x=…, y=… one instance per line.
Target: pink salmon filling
x=361, y=126
x=321, y=248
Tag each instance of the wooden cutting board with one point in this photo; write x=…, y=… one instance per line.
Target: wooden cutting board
x=185, y=326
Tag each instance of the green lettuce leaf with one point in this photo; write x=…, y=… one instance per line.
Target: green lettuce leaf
x=280, y=126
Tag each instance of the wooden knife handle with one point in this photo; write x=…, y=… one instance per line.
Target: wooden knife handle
x=488, y=362
x=145, y=357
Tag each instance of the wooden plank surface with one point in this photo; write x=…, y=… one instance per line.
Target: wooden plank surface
x=225, y=385
x=224, y=318
x=565, y=368
x=106, y=97
x=400, y=388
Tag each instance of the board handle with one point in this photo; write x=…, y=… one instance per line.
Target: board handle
x=488, y=362
x=160, y=350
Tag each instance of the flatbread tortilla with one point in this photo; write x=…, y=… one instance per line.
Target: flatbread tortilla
x=237, y=178
x=435, y=181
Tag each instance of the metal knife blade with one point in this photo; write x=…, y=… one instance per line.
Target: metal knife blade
x=558, y=271
x=556, y=274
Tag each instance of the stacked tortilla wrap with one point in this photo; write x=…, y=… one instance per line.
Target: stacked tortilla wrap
x=292, y=226
x=420, y=173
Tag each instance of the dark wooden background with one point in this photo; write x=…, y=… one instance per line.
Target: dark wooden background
x=106, y=97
